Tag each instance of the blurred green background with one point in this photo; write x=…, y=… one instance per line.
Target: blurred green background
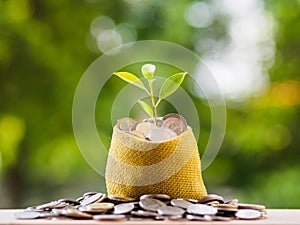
x=252, y=47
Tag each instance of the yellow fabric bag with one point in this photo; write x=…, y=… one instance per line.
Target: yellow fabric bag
x=136, y=167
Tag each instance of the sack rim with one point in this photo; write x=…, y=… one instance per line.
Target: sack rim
x=151, y=142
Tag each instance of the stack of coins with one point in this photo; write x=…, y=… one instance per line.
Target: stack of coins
x=98, y=206
x=162, y=129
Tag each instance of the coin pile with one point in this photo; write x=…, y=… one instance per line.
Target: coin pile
x=98, y=206
x=162, y=129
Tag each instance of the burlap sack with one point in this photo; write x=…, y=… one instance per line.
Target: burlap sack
x=136, y=167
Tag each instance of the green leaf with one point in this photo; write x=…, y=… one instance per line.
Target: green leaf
x=171, y=85
x=146, y=108
x=148, y=71
x=132, y=79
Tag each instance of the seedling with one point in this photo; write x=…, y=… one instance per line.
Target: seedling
x=169, y=87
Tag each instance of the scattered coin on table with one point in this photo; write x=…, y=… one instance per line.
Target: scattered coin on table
x=248, y=214
x=151, y=204
x=99, y=206
x=106, y=217
x=170, y=211
x=200, y=209
x=161, y=197
x=93, y=198
x=123, y=208
x=27, y=214
x=181, y=203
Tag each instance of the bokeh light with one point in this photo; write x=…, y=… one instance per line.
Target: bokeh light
x=108, y=35
x=278, y=137
x=239, y=60
x=199, y=14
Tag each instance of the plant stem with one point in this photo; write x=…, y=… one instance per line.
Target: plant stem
x=152, y=100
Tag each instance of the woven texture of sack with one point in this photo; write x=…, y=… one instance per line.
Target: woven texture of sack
x=136, y=167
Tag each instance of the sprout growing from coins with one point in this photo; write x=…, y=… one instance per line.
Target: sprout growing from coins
x=169, y=87
x=172, y=142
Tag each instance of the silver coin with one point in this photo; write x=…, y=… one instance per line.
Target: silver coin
x=144, y=128
x=212, y=203
x=97, y=207
x=69, y=201
x=175, y=217
x=123, y=208
x=89, y=194
x=93, y=198
x=181, y=203
x=60, y=218
x=48, y=214
x=251, y=206
x=57, y=212
x=220, y=218
x=61, y=205
x=109, y=217
x=101, y=205
x=126, y=124
x=175, y=122
x=27, y=214
x=136, y=218
x=200, y=209
x=159, y=121
x=198, y=218
x=75, y=213
x=84, y=209
x=248, y=214
x=117, y=199
x=151, y=204
x=170, y=211
x=33, y=208
x=210, y=198
x=159, y=134
x=79, y=199
x=138, y=134
x=142, y=213
x=48, y=205
x=161, y=197
x=160, y=218
x=232, y=201
x=229, y=211
x=224, y=206
x=191, y=200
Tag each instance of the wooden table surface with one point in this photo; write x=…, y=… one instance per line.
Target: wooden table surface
x=275, y=216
